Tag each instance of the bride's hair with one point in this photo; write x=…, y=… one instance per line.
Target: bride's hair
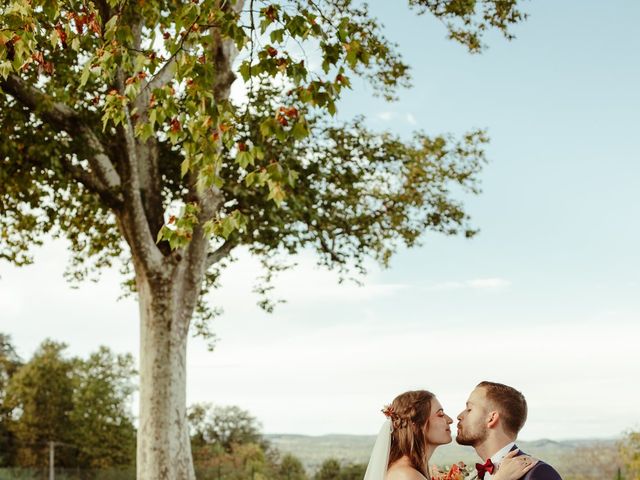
x=409, y=413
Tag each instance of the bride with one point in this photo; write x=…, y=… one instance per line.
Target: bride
x=416, y=425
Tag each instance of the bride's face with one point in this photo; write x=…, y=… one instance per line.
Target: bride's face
x=439, y=425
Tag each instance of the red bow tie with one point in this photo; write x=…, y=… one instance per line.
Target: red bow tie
x=482, y=469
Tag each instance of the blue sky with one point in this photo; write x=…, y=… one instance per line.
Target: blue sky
x=546, y=297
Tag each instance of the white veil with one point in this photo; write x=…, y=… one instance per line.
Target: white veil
x=378, y=462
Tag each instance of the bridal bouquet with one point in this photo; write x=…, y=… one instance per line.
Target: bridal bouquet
x=457, y=471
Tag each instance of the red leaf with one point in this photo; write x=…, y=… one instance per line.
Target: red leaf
x=292, y=112
x=94, y=25
x=38, y=57
x=80, y=23
x=62, y=35
x=270, y=12
x=48, y=67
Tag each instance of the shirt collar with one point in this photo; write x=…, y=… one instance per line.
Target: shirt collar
x=500, y=454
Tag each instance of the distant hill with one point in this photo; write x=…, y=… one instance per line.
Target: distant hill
x=313, y=450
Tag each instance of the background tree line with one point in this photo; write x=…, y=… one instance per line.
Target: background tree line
x=81, y=404
x=84, y=405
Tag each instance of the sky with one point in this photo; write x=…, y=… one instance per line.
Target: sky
x=545, y=298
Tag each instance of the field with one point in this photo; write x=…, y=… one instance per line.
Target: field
x=582, y=459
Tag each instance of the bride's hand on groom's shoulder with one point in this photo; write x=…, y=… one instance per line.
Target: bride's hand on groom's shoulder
x=514, y=466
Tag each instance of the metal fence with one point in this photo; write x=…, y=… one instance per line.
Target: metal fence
x=67, y=474
x=215, y=473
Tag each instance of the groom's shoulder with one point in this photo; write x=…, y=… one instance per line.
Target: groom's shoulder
x=542, y=471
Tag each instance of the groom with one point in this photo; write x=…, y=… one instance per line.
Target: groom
x=494, y=415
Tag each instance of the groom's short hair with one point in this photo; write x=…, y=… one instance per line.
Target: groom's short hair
x=510, y=403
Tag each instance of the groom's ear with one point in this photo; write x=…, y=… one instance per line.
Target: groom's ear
x=494, y=418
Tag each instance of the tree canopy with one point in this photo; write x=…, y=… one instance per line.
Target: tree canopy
x=81, y=405
x=224, y=426
x=120, y=133
x=85, y=82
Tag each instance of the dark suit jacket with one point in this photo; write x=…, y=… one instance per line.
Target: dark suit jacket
x=542, y=471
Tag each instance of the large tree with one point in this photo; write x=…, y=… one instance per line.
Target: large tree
x=40, y=397
x=629, y=452
x=114, y=114
x=81, y=405
x=101, y=419
x=9, y=363
x=223, y=427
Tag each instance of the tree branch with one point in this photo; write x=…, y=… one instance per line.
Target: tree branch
x=163, y=77
x=105, y=179
x=92, y=183
x=192, y=268
x=55, y=113
x=140, y=236
x=223, y=53
x=221, y=252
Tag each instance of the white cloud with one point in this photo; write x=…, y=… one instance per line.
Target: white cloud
x=306, y=282
x=475, y=284
x=488, y=283
x=385, y=116
x=388, y=116
x=443, y=286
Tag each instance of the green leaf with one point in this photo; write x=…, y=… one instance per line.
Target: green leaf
x=267, y=127
x=86, y=72
x=245, y=70
x=110, y=28
x=244, y=158
x=250, y=179
x=276, y=193
x=184, y=167
x=258, y=153
x=277, y=35
x=300, y=130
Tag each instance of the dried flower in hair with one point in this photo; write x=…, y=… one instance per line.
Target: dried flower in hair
x=389, y=412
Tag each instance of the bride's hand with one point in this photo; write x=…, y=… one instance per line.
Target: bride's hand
x=513, y=467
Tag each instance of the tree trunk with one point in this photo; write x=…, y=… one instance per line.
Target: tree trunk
x=163, y=444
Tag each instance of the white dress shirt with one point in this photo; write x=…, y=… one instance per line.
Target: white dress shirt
x=498, y=456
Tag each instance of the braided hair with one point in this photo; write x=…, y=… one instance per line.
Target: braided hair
x=409, y=414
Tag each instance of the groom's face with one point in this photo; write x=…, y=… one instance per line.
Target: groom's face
x=472, y=425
